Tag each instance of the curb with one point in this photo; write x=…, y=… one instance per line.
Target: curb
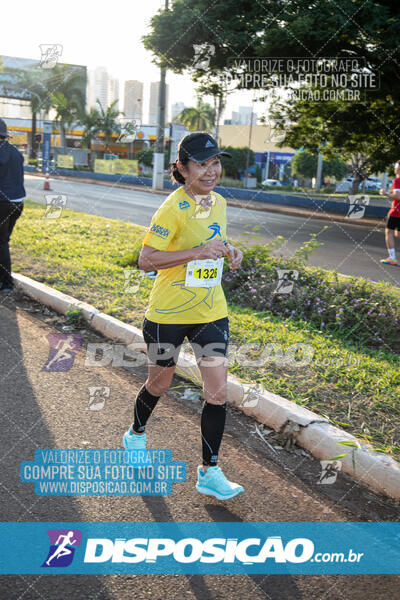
x=378, y=471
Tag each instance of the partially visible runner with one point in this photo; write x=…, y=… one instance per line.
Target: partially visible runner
x=12, y=195
x=393, y=218
x=186, y=244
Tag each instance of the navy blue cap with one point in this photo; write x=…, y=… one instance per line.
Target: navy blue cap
x=199, y=146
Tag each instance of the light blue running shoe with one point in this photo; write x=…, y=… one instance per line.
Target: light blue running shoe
x=214, y=483
x=136, y=444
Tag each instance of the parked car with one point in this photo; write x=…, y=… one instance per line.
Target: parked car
x=371, y=183
x=271, y=183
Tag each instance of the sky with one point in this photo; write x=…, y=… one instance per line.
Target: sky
x=96, y=34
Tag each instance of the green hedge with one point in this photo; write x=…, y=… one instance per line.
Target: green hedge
x=355, y=309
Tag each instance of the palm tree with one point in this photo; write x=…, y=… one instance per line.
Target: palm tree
x=91, y=124
x=68, y=95
x=219, y=93
x=197, y=118
x=108, y=122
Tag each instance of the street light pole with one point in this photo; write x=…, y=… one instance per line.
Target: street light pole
x=158, y=161
x=248, y=150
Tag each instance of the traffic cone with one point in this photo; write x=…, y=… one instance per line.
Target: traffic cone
x=46, y=185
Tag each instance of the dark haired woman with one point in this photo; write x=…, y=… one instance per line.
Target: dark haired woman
x=186, y=244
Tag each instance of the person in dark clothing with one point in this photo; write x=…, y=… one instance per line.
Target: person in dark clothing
x=12, y=195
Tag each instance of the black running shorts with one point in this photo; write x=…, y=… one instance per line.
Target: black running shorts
x=393, y=222
x=164, y=340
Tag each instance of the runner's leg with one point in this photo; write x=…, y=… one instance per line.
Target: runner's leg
x=210, y=343
x=158, y=337
x=213, y=415
x=389, y=237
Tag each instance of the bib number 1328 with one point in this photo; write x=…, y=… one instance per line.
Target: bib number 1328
x=204, y=273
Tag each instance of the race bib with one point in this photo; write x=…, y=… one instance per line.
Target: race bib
x=204, y=273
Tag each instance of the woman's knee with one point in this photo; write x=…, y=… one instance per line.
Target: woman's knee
x=159, y=380
x=216, y=394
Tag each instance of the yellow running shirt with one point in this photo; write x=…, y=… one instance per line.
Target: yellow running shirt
x=180, y=224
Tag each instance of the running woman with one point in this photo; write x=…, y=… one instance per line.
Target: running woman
x=393, y=218
x=186, y=244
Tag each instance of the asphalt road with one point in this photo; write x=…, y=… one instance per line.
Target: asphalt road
x=50, y=410
x=351, y=249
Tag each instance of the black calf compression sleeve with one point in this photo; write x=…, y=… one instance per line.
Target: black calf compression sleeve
x=145, y=402
x=212, y=429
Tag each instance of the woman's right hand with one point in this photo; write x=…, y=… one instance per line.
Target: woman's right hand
x=213, y=249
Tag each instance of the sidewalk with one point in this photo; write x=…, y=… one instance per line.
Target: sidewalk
x=50, y=410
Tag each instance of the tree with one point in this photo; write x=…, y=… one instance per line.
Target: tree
x=219, y=91
x=146, y=157
x=294, y=28
x=304, y=164
x=197, y=118
x=334, y=168
x=320, y=126
x=68, y=95
x=91, y=127
x=235, y=166
x=366, y=131
x=108, y=122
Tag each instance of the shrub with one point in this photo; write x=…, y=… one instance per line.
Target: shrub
x=356, y=309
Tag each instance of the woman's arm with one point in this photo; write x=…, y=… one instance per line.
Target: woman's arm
x=152, y=259
x=391, y=195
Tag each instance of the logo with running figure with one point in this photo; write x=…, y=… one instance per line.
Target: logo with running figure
x=62, y=351
x=63, y=543
x=216, y=228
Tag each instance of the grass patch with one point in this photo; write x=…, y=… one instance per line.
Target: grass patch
x=335, y=370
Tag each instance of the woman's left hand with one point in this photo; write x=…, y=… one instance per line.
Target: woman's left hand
x=235, y=256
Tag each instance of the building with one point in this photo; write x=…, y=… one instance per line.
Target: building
x=176, y=108
x=15, y=109
x=146, y=135
x=245, y=113
x=153, y=107
x=268, y=155
x=133, y=100
x=14, y=95
x=113, y=93
x=99, y=87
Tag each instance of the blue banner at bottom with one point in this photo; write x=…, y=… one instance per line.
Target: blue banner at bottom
x=171, y=548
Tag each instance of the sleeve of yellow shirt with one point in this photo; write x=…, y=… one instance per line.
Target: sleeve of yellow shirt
x=163, y=227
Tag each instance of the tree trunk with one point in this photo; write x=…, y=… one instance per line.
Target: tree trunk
x=355, y=185
x=358, y=167
x=62, y=135
x=89, y=158
x=218, y=116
